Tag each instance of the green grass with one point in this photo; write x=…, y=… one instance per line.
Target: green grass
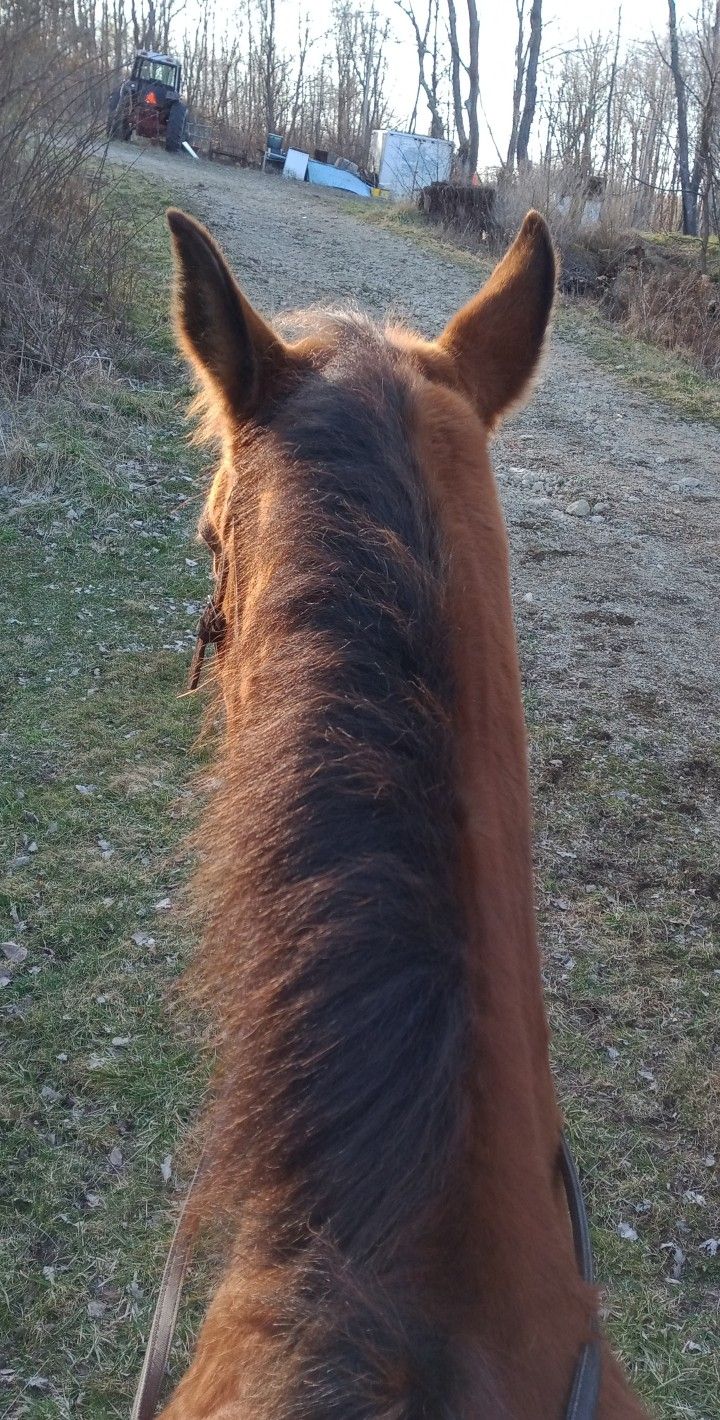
x=101, y=587
x=630, y=922
x=686, y=249
x=100, y=584
x=662, y=374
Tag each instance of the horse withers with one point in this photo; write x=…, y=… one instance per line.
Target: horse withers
x=383, y=1142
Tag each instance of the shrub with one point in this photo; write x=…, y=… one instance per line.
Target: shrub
x=465, y=209
x=65, y=278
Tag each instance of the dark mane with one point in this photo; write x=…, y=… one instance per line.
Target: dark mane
x=333, y=956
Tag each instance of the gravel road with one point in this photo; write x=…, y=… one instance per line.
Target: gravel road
x=624, y=588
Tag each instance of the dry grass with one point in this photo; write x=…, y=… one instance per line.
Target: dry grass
x=676, y=309
x=663, y=298
x=561, y=194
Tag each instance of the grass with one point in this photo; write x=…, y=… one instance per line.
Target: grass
x=628, y=890
x=686, y=250
x=101, y=588
x=662, y=374
x=101, y=582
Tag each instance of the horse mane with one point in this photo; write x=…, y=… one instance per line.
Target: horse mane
x=332, y=963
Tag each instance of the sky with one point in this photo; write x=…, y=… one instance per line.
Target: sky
x=563, y=20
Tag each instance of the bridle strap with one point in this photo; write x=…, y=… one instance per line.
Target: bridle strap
x=578, y=1213
x=585, y=1389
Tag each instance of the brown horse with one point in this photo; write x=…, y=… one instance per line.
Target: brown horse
x=384, y=1139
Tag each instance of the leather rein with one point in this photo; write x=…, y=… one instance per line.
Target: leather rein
x=584, y=1391
x=585, y=1388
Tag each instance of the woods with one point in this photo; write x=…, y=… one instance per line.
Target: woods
x=636, y=120
x=641, y=120
x=599, y=131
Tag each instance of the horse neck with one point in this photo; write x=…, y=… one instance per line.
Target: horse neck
x=424, y=1210
x=531, y=1302
x=496, y=878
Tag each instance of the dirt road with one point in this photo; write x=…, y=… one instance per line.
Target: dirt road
x=625, y=599
x=613, y=507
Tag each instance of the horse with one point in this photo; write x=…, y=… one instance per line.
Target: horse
x=383, y=1143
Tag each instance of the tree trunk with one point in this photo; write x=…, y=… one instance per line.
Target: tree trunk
x=428, y=86
x=528, y=114
x=611, y=96
x=517, y=86
x=438, y=127
x=455, y=66
x=710, y=55
x=704, y=228
x=473, y=98
x=689, y=204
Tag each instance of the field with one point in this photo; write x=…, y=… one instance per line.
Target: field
x=613, y=501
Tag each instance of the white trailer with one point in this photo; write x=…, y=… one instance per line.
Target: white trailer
x=406, y=162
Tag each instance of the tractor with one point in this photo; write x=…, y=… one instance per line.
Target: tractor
x=148, y=103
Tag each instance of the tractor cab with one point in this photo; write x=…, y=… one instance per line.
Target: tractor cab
x=156, y=71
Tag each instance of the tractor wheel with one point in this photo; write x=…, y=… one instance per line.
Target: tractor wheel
x=175, y=128
x=112, y=122
x=117, y=124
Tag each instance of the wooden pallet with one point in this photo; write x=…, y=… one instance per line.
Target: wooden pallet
x=229, y=155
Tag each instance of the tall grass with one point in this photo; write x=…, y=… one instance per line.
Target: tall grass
x=576, y=205
x=675, y=308
x=66, y=273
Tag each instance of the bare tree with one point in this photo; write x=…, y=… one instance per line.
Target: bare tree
x=528, y=113
x=426, y=43
x=303, y=47
x=689, y=200
x=702, y=178
x=468, y=136
x=473, y=98
x=520, y=62
x=611, y=96
x=368, y=61
x=271, y=65
x=456, y=66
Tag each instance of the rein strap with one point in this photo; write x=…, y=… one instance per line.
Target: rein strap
x=165, y=1316
x=585, y=1390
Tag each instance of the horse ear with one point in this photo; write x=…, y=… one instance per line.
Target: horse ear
x=234, y=351
x=496, y=340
